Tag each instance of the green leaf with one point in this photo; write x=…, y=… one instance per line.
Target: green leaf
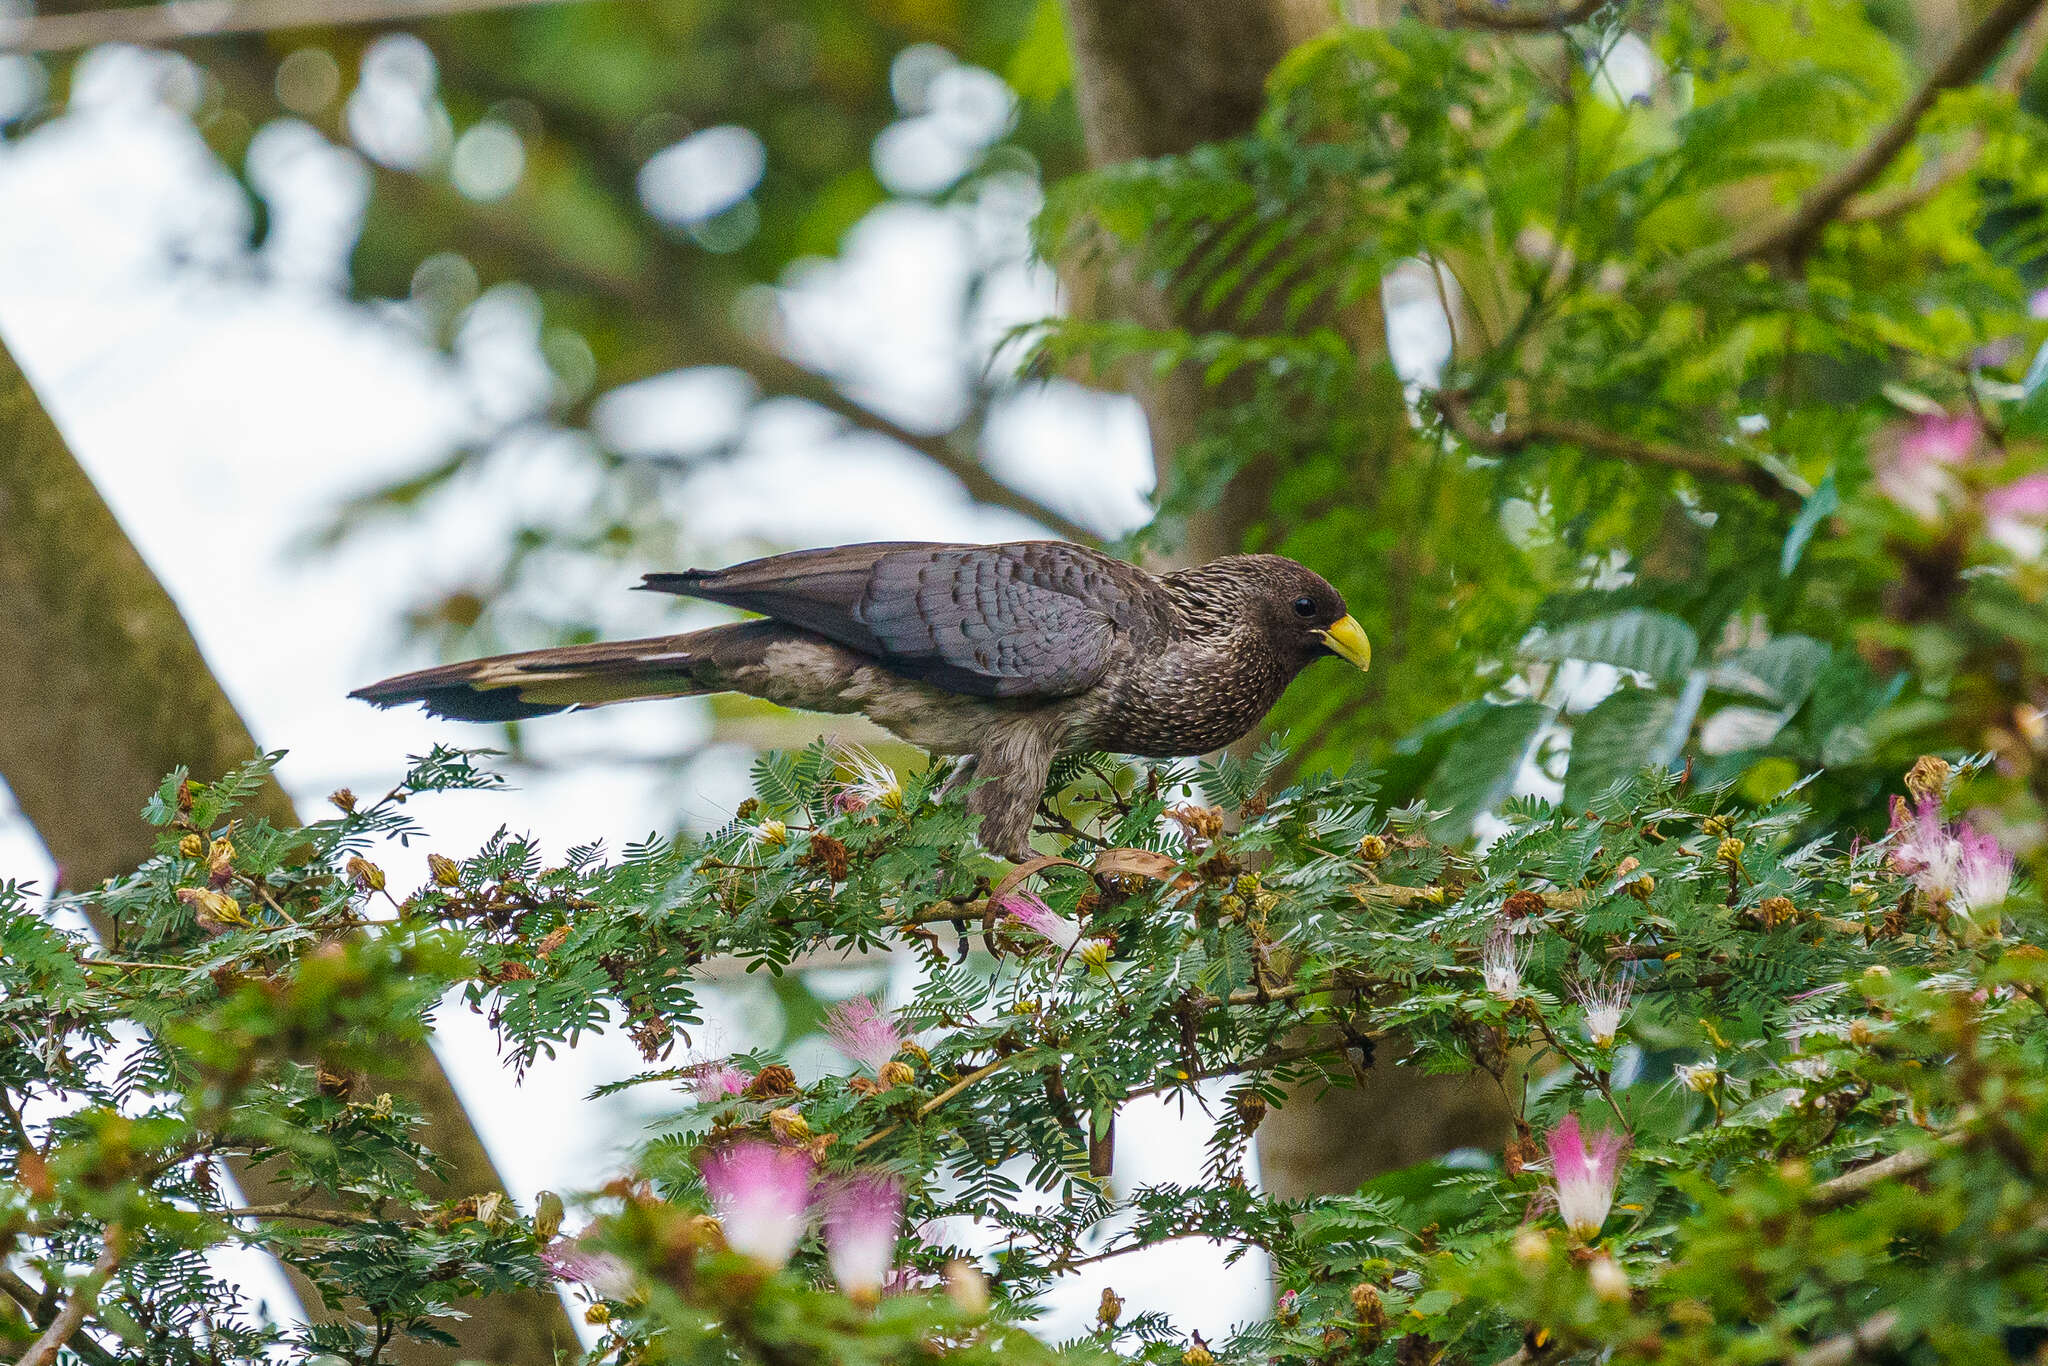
x=1615, y=741
x=1782, y=671
x=1650, y=642
x=1041, y=69
x=1481, y=766
x=1823, y=500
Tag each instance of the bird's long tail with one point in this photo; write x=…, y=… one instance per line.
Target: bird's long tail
x=537, y=682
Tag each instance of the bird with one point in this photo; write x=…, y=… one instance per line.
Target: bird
x=1005, y=656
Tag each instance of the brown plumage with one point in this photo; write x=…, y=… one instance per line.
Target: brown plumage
x=1006, y=654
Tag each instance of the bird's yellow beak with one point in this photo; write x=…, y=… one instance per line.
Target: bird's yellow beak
x=1347, y=640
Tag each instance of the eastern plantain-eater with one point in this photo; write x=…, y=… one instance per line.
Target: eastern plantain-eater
x=1006, y=654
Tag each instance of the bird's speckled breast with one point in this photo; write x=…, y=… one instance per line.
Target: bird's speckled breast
x=1189, y=699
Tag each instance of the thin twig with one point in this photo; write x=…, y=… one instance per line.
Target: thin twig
x=1260, y=1063
x=1844, y=1348
x=1591, y=1074
x=941, y=1098
x=1787, y=239
x=1600, y=441
x=1840, y=1190
x=197, y=19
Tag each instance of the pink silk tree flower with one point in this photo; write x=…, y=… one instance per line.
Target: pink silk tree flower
x=864, y=1032
x=1606, y=1005
x=863, y=1216
x=1503, y=959
x=1983, y=872
x=1583, y=1175
x=2016, y=516
x=1954, y=866
x=1924, y=850
x=1917, y=475
x=761, y=1194
x=873, y=783
x=1042, y=920
x=715, y=1080
x=1941, y=439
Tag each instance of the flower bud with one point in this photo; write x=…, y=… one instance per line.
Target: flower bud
x=216, y=912
x=220, y=863
x=1929, y=777
x=1372, y=848
x=896, y=1072
x=1367, y=1306
x=788, y=1126
x=1609, y=1281
x=191, y=846
x=344, y=800
x=771, y=1082
x=1641, y=888
x=1095, y=954
x=966, y=1287
x=446, y=872
x=1110, y=1310
x=364, y=873
x=1774, y=911
x=1197, y=1355
x=1729, y=850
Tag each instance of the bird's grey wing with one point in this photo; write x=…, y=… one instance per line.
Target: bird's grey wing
x=1025, y=619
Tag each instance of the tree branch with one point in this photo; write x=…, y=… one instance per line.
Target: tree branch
x=43, y=1352
x=705, y=337
x=1600, y=441
x=170, y=23
x=1877, y=205
x=105, y=691
x=1479, y=14
x=1787, y=239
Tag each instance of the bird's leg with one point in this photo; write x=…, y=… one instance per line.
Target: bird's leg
x=1015, y=759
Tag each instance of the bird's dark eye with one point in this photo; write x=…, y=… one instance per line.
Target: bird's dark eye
x=1304, y=607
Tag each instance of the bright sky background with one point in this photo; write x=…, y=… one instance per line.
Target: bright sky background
x=225, y=405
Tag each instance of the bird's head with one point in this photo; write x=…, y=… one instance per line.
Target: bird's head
x=1296, y=612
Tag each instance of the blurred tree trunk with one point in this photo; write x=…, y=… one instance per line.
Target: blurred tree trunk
x=104, y=691
x=1153, y=78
